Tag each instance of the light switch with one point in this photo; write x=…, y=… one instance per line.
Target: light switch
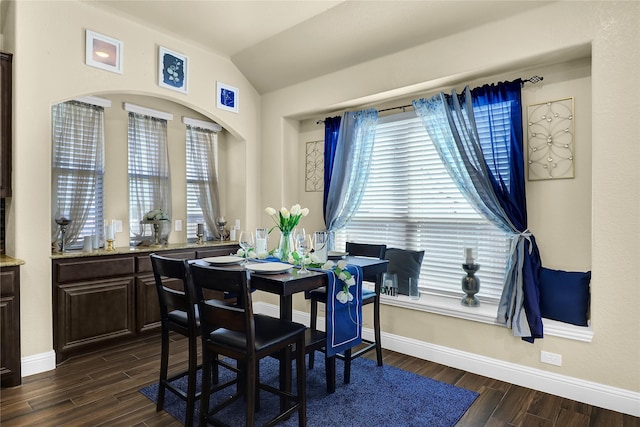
x=178, y=225
x=117, y=225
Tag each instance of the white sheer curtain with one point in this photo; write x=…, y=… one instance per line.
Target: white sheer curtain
x=202, y=176
x=77, y=168
x=352, y=160
x=149, y=173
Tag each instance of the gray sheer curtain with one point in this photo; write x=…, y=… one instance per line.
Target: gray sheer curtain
x=450, y=122
x=149, y=172
x=203, y=156
x=350, y=168
x=77, y=164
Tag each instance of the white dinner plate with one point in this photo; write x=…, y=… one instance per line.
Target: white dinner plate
x=269, y=267
x=223, y=260
x=336, y=254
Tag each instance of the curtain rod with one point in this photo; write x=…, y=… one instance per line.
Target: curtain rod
x=532, y=80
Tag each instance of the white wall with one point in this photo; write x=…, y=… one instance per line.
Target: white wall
x=48, y=39
x=598, y=224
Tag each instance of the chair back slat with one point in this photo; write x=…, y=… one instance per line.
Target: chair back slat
x=373, y=251
x=169, y=274
x=364, y=249
x=214, y=315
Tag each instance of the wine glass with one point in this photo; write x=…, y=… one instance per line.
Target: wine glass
x=246, y=243
x=303, y=246
x=298, y=234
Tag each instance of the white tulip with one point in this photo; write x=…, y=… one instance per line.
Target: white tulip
x=295, y=210
x=327, y=265
x=344, y=297
x=270, y=211
x=285, y=213
x=342, y=276
x=342, y=264
x=350, y=281
x=305, y=212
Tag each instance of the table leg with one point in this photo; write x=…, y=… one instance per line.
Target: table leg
x=286, y=312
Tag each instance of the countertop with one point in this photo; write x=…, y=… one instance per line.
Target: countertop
x=140, y=249
x=9, y=261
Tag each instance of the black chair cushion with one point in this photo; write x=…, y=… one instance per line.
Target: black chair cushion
x=180, y=317
x=269, y=331
x=405, y=264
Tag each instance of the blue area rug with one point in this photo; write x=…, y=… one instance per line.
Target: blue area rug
x=377, y=396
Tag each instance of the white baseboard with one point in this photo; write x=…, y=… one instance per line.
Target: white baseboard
x=600, y=395
x=37, y=363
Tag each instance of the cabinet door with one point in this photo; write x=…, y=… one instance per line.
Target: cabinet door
x=90, y=314
x=148, y=307
x=10, y=327
x=5, y=124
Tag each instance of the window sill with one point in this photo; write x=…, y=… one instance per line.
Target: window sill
x=484, y=313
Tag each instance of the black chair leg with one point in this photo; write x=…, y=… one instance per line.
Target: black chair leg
x=330, y=373
x=301, y=384
x=376, y=329
x=207, y=361
x=313, y=326
x=164, y=366
x=347, y=366
x=191, y=380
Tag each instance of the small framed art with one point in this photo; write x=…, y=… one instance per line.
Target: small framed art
x=227, y=97
x=103, y=52
x=172, y=70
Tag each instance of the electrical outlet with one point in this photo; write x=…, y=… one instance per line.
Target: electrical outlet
x=551, y=358
x=117, y=225
x=178, y=225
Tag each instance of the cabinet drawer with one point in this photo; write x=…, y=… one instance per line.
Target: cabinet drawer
x=8, y=282
x=75, y=271
x=143, y=262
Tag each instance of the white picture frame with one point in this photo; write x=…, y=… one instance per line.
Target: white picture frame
x=103, y=52
x=227, y=97
x=172, y=70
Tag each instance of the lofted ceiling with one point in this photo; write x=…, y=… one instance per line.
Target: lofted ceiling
x=279, y=43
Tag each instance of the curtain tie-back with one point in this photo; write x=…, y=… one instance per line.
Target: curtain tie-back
x=527, y=235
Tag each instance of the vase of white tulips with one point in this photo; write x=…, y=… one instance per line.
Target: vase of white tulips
x=286, y=220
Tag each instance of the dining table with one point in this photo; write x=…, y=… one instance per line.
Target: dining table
x=290, y=282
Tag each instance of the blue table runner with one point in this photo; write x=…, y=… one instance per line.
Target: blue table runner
x=344, y=320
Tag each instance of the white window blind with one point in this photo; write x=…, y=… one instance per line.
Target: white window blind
x=410, y=202
x=149, y=173
x=202, y=149
x=78, y=168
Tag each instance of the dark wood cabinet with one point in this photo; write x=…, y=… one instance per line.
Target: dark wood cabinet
x=5, y=124
x=10, y=326
x=103, y=300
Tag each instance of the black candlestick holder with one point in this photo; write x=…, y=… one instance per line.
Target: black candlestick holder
x=470, y=285
x=63, y=223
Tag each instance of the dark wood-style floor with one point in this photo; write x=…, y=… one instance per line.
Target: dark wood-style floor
x=101, y=389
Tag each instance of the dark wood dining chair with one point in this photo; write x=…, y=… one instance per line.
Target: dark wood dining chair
x=178, y=314
x=237, y=333
x=368, y=297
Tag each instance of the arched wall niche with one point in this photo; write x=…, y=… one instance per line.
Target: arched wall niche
x=116, y=203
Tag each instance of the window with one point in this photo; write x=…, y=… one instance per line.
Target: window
x=202, y=178
x=411, y=202
x=149, y=176
x=78, y=169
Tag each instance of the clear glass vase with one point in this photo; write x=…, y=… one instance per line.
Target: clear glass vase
x=285, y=246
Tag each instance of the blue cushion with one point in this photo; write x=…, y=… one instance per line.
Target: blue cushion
x=565, y=296
x=405, y=264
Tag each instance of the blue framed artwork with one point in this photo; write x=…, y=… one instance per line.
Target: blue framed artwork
x=172, y=70
x=227, y=97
